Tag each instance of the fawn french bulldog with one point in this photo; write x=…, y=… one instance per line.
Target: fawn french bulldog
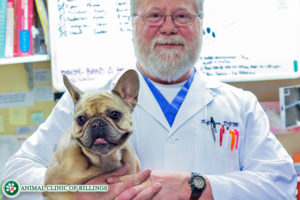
x=97, y=141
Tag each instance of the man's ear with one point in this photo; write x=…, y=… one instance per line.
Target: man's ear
x=73, y=90
x=128, y=87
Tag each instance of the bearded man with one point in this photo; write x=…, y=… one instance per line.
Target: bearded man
x=196, y=138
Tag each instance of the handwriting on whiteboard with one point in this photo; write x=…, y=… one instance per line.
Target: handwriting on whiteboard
x=232, y=66
x=77, y=17
x=90, y=73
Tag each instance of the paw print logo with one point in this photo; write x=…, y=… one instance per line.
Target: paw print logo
x=10, y=188
x=209, y=33
x=209, y=36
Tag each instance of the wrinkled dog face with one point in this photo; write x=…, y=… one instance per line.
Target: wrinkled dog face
x=102, y=120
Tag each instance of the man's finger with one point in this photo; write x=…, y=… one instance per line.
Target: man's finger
x=149, y=192
x=121, y=171
x=101, y=178
x=129, y=181
x=139, y=176
x=131, y=192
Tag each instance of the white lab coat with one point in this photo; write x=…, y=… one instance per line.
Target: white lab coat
x=259, y=168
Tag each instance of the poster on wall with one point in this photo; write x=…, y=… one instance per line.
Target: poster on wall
x=243, y=40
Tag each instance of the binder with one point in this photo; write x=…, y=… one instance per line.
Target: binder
x=3, y=9
x=43, y=16
x=9, y=42
x=24, y=25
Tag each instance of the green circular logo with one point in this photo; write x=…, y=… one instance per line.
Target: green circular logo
x=11, y=188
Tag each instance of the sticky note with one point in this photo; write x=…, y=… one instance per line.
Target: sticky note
x=17, y=116
x=37, y=117
x=1, y=124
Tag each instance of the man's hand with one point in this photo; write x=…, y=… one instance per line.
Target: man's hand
x=135, y=183
x=174, y=185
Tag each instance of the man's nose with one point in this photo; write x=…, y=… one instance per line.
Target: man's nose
x=168, y=27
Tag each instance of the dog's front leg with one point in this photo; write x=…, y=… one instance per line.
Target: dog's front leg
x=130, y=157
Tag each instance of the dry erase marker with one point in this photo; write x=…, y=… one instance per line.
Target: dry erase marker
x=237, y=138
x=222, y=131
x=232, y=133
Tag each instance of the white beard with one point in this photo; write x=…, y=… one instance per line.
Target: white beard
x=168, y=64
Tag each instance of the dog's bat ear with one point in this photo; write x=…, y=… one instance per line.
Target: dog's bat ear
x=128, y=87
x=73, y=90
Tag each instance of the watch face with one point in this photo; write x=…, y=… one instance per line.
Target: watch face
x=198, y=182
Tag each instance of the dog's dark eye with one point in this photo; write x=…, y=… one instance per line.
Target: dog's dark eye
x=115, y=115
x=81, y=120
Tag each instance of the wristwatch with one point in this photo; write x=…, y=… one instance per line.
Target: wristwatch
x=198, y=185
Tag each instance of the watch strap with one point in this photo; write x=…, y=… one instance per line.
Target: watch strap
x=195, y=196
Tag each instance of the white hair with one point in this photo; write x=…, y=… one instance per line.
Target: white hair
x=199, y=4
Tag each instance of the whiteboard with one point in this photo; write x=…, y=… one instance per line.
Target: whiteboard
x=254, y=39
x=243, y=40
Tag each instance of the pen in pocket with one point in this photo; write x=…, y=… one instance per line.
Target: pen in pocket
x=222, y=131
x=237, y=138
x=232, y=133
x=225, y=139
x=213, y=128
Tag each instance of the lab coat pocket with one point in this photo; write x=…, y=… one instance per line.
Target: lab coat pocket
x=213, y=158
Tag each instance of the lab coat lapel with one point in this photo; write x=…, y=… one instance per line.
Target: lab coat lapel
x=198, y=96
x=148, y=103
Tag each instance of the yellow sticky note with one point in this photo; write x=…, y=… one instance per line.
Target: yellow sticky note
x=17, y=116
x=1, y=124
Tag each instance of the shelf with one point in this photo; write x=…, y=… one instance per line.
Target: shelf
x=24, y=59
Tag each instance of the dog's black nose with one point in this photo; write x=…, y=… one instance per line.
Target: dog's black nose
x=98, y=124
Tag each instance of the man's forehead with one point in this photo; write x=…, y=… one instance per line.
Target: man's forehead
x=167, y=4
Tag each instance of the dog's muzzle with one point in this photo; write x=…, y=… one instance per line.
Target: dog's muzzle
x=101, y=136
